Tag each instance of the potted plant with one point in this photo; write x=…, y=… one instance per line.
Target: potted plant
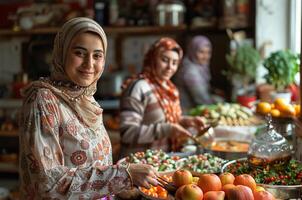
x=242, y=72
x=282, y=66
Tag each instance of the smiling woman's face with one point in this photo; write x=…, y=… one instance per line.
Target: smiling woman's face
x=166, y=65
x=203, y=55
x=85, y=59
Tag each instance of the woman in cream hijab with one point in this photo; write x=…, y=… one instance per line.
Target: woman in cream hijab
x=65, y=152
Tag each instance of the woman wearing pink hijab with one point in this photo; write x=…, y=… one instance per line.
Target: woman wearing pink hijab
x=193, y=77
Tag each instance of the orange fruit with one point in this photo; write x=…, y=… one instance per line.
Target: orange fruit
x=209, y=182
x=275, y=113
x=263, y=107
x=280, y=104
x=297, y=109
x=288, y=111
x=226, y=178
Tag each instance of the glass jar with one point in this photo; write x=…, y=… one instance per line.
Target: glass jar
x=269, y=148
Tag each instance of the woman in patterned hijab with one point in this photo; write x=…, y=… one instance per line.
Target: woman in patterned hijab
x=65, y=152
x=151, y=116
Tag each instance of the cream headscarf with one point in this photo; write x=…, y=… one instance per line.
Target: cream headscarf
x=77, y=97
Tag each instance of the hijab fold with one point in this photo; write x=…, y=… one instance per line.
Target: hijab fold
x=78, y=98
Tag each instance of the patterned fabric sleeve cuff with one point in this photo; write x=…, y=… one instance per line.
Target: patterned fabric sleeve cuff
x=130, y=177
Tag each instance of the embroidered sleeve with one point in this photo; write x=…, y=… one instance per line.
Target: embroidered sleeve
x=43, y=170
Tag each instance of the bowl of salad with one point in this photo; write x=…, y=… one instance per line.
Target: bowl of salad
x=201, y=163
x=283, y=181
x=160, y=160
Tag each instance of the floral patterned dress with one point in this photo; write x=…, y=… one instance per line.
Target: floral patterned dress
x=60, y=157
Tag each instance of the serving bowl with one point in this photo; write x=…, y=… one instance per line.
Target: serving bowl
x=235, y=140
x=169, y=197
x=279, y=191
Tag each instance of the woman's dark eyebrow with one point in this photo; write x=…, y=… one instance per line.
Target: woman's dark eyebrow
x=167, y=57
x=79, y=47
x=82, y=48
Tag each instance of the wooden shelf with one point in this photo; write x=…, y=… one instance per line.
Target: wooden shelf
x=108, y=30
x=127, y=30
x=13, y=133
x=7, y=167
x=10, y=103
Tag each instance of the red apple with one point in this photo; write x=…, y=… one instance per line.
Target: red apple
x=245, y=179
x=214, y=195
x=191, y=192
x=258, y=189
x=227, y=187
x=182, y=177
x=263, y=195
x=179, y=192
x=240, y=192
x=226, y=178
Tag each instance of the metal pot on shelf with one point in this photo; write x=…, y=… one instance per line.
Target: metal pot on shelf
x=170, y=13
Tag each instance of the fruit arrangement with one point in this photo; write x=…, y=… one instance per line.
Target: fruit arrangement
x=157, y=158
x=214, y=187
x=230, y=114
x=287, y=174
x=155, y=192
x=279, y=108
x=158, y=192
x=202, y=163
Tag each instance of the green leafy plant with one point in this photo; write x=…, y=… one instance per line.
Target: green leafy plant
x=243, y=64
x=282, y=67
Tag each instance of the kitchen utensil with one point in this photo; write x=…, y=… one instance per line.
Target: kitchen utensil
x=166, y=185
x=212, y=124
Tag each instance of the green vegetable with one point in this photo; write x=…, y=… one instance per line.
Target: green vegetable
x=282, y=67
x=243, y=64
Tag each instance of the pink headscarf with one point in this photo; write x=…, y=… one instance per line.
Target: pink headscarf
x=197, y=43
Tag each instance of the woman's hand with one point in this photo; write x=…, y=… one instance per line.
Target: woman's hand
x=143, y=175
x=194, y=122
x=179, y=136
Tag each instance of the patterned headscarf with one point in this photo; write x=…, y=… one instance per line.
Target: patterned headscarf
x=77, y=97
x=166, y=93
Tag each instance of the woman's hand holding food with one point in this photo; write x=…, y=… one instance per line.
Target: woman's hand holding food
x=194, y=122
x=143, y=175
